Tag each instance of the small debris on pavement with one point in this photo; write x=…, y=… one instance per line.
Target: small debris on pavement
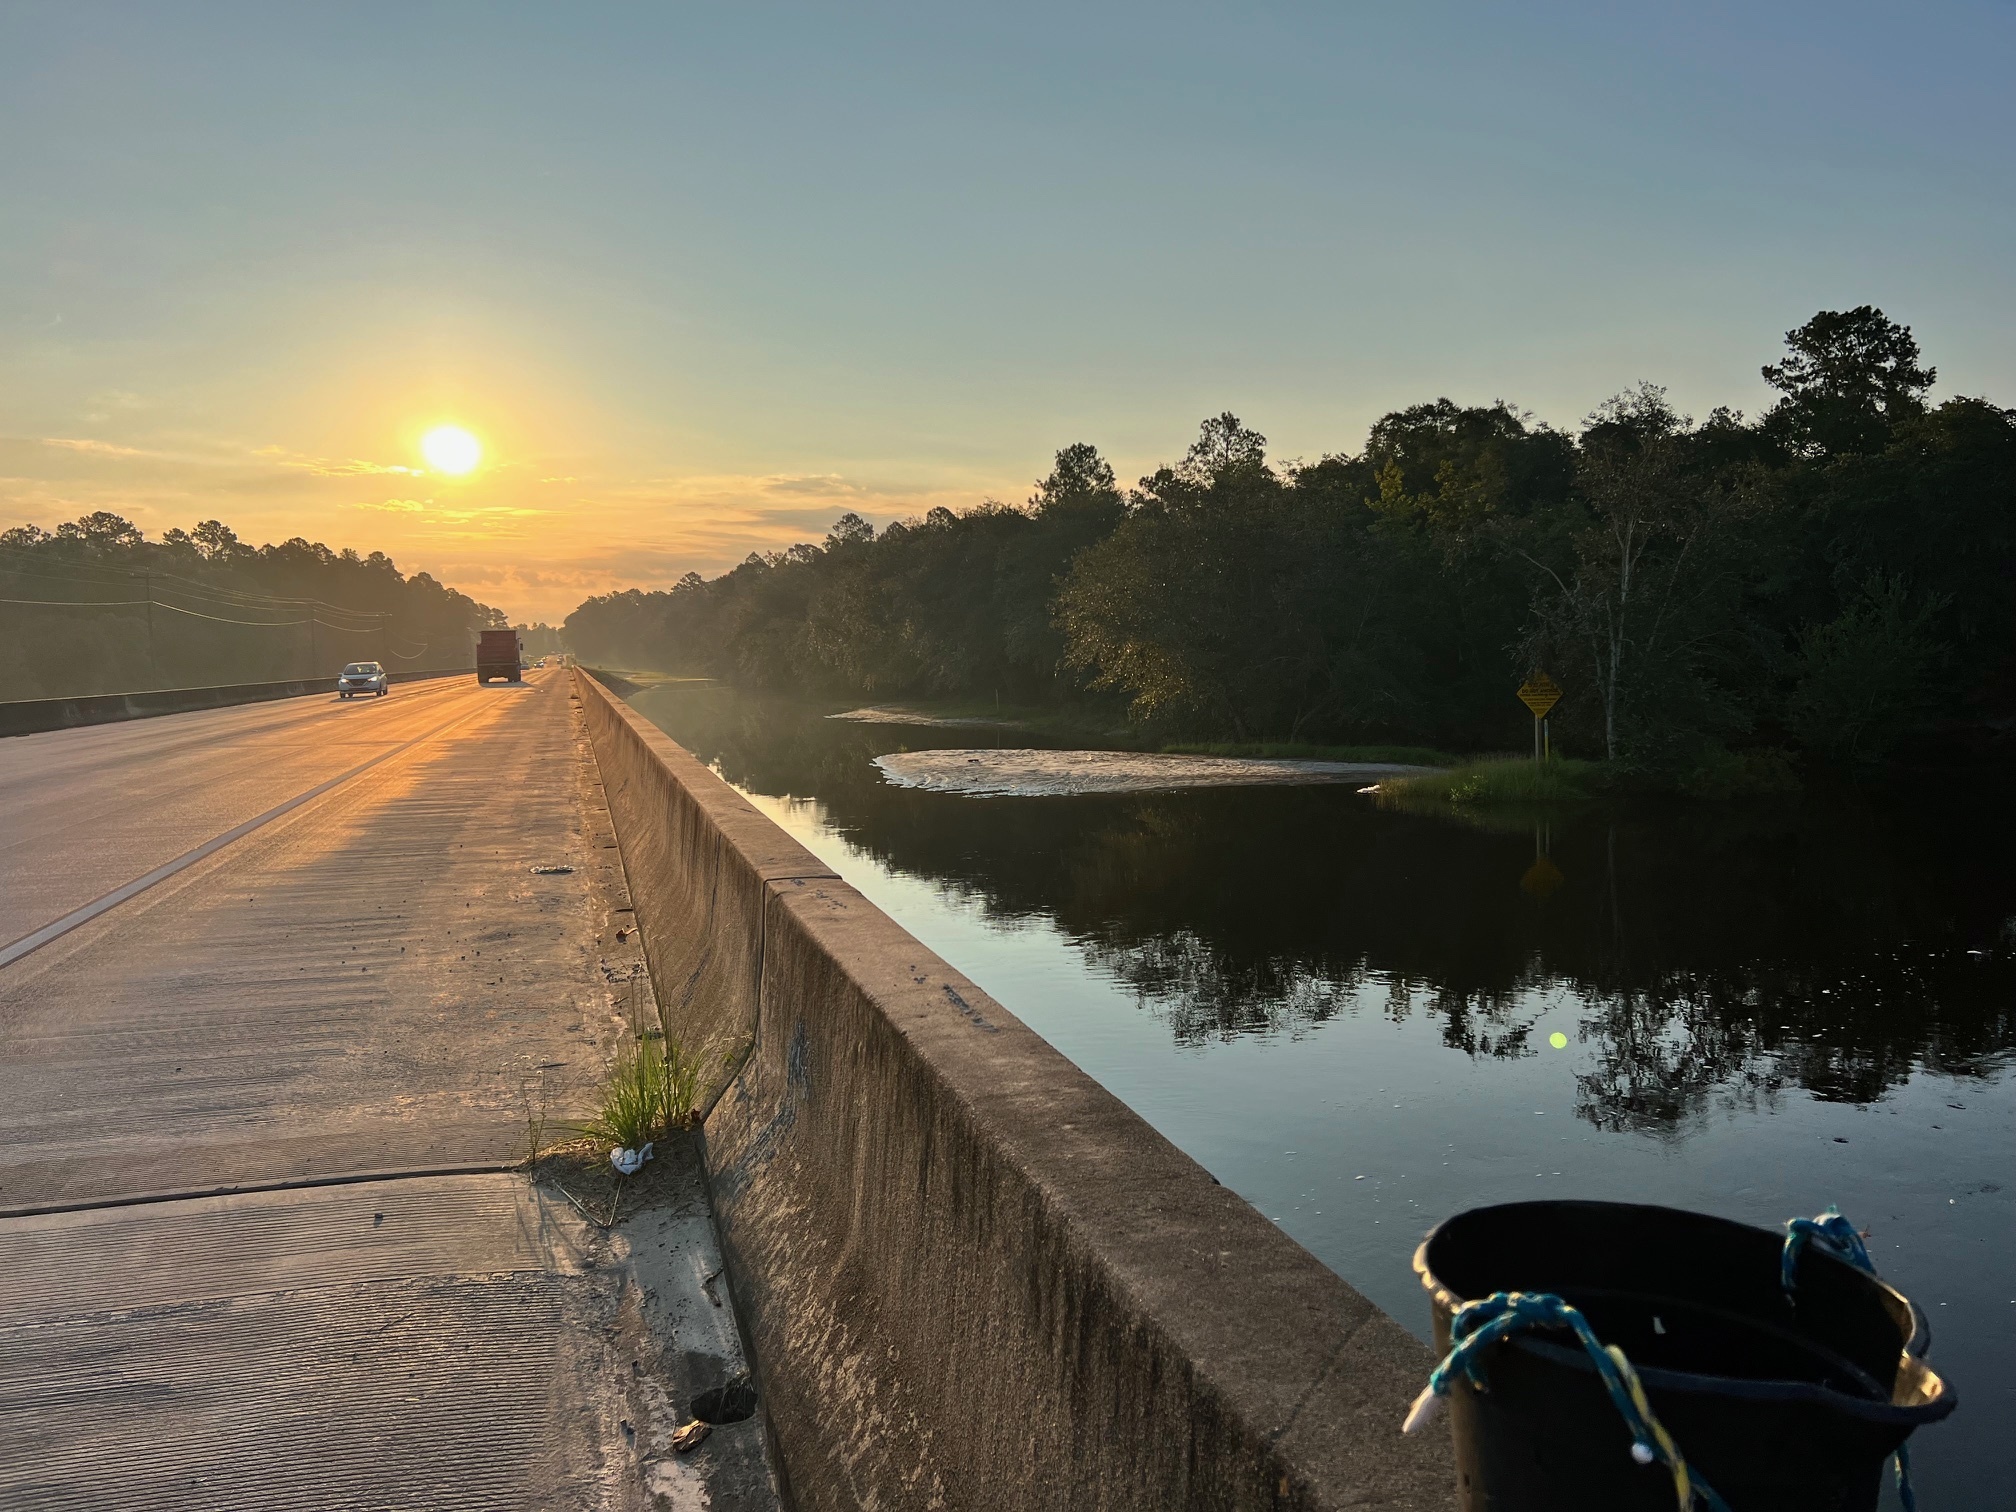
x=629, y=1162
x=691, y=1436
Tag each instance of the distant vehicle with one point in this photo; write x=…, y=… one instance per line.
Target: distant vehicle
x=362, y=677
x=499, y=653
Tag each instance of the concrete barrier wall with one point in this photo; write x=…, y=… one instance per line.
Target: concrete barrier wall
x=32, y=716
x=706, y=859
x=971, y=1277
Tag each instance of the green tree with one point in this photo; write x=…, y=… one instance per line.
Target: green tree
x=1206, y=607
x=101, y=531
x=1863, y=675
x=1690, y=585
x=1851, y=377
x=1451, y=482
x=1636, y=587
x=217, y=542
x=94, y=606
x=1224, y=448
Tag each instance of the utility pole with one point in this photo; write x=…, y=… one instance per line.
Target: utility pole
x=153, y=666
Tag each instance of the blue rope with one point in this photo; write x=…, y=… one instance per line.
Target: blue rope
x=1833, y=1233
x=1839, y=1238
x=1478, y=1325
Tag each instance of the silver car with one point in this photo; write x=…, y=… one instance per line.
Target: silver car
x=362, y=677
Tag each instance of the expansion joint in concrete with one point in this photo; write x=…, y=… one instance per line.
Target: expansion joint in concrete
x=235, y=1189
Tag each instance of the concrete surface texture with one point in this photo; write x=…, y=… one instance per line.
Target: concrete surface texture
x=395, y=978
x=973, y=1278
x=462, y=1342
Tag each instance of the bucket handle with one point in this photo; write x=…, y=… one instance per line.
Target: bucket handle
x=1841, y=1239
x=1480, y=1324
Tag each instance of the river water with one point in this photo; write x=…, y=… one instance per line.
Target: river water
x=1363, y=1020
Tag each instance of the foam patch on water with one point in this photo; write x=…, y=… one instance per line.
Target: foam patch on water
x=1038, y=774
x=876, y=714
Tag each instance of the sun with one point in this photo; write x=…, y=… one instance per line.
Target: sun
x=451, y=449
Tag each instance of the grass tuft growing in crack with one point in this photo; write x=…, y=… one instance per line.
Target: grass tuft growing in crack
x=532, y=1094
x=650, y=1090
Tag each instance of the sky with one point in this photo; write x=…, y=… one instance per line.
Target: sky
x=703, y=278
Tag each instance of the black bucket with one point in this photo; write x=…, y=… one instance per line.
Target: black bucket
x=1782, y=1402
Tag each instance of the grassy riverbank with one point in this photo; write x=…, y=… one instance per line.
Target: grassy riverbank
x=1475, y=782
x=1501, y=780
x=1518, y=779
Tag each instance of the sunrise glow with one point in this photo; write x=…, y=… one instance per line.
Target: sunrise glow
x=451, y=449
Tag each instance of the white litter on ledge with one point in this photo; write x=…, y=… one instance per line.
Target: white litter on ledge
x=629, y=1162
x=1037, y=774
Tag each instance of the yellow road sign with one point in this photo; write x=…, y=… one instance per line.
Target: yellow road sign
x=1541, y=878
x=1539, y=693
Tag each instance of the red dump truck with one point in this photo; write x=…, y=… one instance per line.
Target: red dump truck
x=499, y=653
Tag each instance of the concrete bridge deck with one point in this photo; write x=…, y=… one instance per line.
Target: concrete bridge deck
x=260, y=1244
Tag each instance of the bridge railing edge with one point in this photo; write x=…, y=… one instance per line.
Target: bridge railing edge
x=970, y=1276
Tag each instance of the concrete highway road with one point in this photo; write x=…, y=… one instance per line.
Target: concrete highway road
x=359, y=984
x=325, y=958
x=88, y=809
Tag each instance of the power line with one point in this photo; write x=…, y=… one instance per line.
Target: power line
x=314, y=619
x=194, y=614
x=80, y=603
x=207, y=591
x=224, y=597
x=259, y=624
x=178, y=609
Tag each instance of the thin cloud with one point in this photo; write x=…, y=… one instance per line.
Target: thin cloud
x=96, y=448
x=821, y=485
x=463, y=516
x=323, y=467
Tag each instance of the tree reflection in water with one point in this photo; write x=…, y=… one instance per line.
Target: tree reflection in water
x=1718, y=953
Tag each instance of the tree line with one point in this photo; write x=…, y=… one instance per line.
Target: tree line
x=95, y=607
x=1835, y=577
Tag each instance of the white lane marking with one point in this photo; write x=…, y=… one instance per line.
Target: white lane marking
x=35, y=940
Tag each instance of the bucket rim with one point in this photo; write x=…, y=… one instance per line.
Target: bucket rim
x=1936, y=1398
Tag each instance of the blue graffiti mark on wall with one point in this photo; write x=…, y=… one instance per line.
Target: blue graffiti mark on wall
x=798, y=1062
x=969, y=1010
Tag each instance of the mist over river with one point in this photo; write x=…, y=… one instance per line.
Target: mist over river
x=1364, y=1020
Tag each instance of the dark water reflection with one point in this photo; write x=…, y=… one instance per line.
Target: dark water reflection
x=1723, y=953
x=1364, y=1020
